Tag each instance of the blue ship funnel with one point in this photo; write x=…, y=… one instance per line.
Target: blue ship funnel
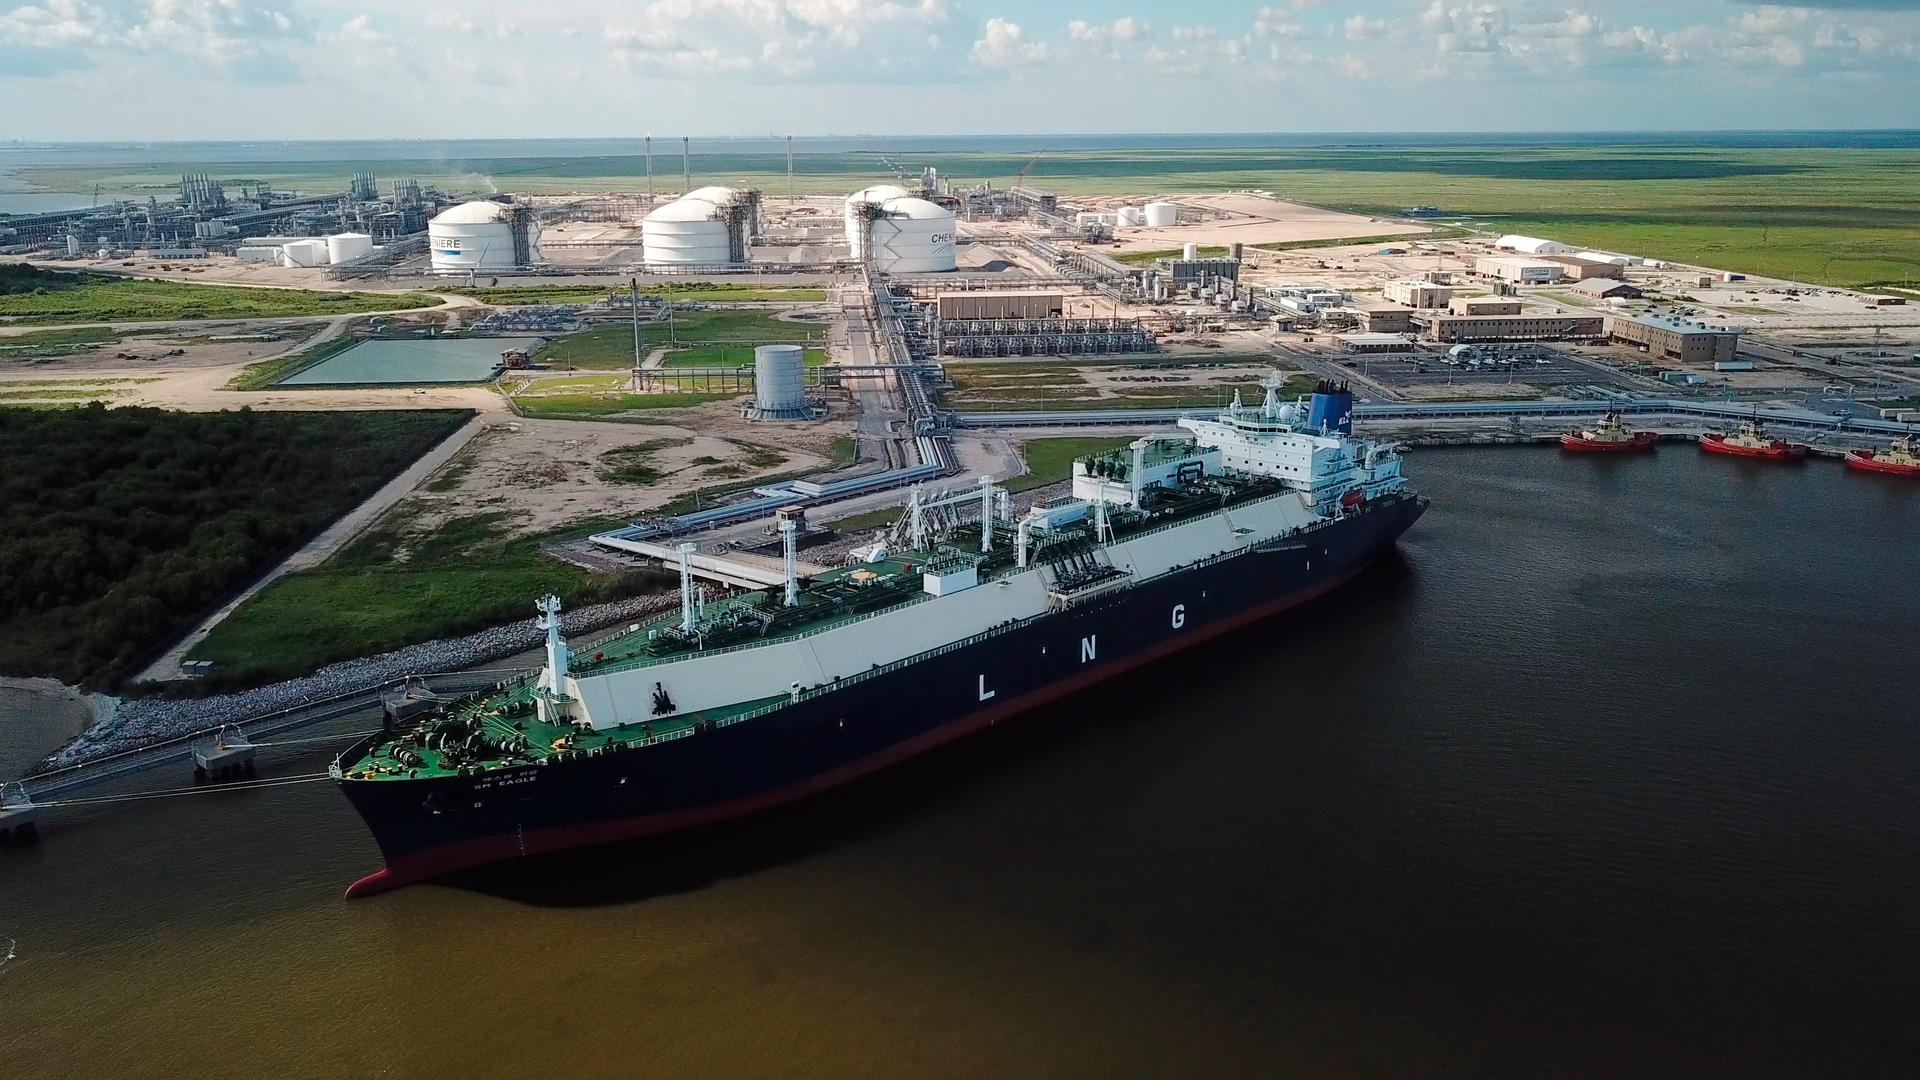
x=1331, y=408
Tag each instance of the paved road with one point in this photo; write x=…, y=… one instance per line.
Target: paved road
x=323, y=546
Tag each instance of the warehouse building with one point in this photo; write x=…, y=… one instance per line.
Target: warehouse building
x=1531, y=245
x=1518, y=269
x=1375, y=317
x=1599, y=288
x=1579, y=267
x=1536, y=326
x=1668, y=337
x=1418, y=294
x=1375, y=343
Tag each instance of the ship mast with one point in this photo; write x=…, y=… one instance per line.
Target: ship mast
x=557, y=656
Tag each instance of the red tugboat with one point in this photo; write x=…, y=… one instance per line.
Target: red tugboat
x=1898, y=459
x=1609, y=436
x=1751, y=441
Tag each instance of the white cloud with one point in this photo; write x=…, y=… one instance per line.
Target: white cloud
x=1361, y=28
x=1104, y=37
x=778, y=40
x=1004, y=45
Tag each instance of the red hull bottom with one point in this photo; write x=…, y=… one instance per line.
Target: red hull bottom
x=446, y=860
x=1715, y=445
x=1866, y=462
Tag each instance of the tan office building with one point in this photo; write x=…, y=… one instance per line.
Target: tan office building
x=1418, y=294
x=1535, y=326
x=1667, y=337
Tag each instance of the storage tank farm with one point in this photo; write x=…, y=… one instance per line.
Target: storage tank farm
x=779, y=384
x=482, y=235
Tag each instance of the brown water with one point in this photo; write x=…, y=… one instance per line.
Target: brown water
x=1614, y=771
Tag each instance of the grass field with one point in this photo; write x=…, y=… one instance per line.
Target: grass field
x=704, y=356
x=30, y=296
x=610, y=346
x=398, y=585
x=692, y=290
x=603, y=406
x=1050, y=461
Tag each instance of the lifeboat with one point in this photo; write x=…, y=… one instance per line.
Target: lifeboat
x=1751, y=441
x=1898, y=459
x=1610, y=435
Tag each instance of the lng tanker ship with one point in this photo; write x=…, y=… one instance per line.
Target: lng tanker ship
x=754, y=700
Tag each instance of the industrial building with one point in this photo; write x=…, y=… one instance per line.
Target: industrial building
x=1377, y=317
x=1668, y=337
x=1517, y=269
x=1537, y=326
x=1600, y=288
x=1039, y=337
x=1483, y=305
x=1375, y=343
x=1579, y=267
x=1531, y=245
x=481, y=235
x=1418, y=294
x=1000, y=305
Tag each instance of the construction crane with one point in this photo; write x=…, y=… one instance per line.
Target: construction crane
x=1021, y=177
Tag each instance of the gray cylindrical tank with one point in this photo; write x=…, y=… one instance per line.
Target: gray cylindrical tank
x=779, y=387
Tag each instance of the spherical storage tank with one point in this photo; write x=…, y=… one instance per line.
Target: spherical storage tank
x=686, y=232
x=483, y=235
x=877, y=195
x=913, y=236
x=348, y=245
x=1159, y=215
x=779, y=385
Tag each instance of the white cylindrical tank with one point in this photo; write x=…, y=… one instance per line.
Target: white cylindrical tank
x=348, y=245
x=685, y=232
x=1159, y=215
x=1190, y=252
x=779, y=386
x=304, y=253
x=1132, y=215
x=878, y=195
x=479, y=235
x=913, y=236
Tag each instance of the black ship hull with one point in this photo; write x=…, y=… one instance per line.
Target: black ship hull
x=429, y=827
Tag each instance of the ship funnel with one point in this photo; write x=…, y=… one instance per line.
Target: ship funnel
x=1331, y=408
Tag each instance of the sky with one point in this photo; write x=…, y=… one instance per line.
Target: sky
x=80, y=70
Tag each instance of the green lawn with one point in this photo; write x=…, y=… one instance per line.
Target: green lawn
x=30, y=296
x=1050, y=461
x=690, y=290
x=711, y=356
x=1047, y=385
x=610, y=345
x=458, y=579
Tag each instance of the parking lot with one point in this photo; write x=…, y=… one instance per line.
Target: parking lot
x=1532, y=366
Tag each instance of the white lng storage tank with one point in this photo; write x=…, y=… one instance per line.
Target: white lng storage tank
x=878, y=195
x=1159, y=215
x=779, y=383
x=685, y=232
x=913, y=236
x=483, y=235
x=348, y=245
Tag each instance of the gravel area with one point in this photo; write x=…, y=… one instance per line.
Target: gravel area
x=134, y=723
